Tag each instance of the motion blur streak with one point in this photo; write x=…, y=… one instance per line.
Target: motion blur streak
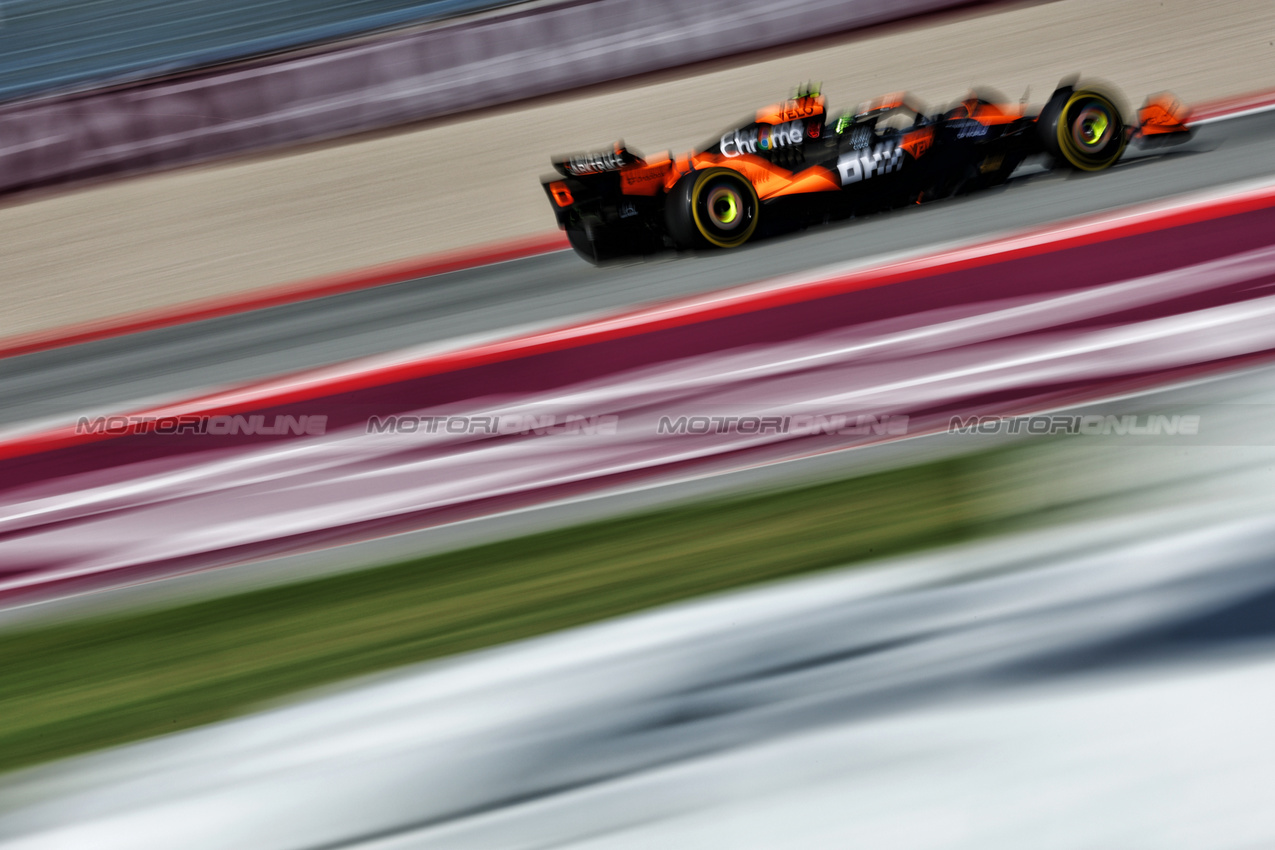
x=1026, y=353
x=963, y=698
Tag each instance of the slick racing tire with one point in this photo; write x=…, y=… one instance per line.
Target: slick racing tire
x=716, y=207
x=1083, y=128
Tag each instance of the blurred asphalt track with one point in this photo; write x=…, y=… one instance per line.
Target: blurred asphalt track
x=1104, y=682
x=548, y=289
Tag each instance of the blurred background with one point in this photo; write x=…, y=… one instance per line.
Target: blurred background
x=1020, y=595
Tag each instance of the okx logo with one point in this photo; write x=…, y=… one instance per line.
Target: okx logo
x=864, y=165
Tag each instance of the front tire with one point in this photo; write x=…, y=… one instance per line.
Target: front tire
x=716, y=207
x=1083, y=128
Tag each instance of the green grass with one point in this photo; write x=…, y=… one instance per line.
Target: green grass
x=74, y=686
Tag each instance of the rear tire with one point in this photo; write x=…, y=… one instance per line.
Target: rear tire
x=716, y=207
x=1083, y=128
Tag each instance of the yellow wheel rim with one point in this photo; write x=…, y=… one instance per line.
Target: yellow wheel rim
x=1080, y=135
x=724, y=209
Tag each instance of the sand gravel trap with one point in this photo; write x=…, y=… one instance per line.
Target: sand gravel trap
x=189, y=234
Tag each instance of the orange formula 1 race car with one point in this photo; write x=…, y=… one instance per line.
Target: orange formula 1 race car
x=790, y=166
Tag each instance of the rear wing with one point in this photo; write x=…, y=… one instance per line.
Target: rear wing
x=584, y=164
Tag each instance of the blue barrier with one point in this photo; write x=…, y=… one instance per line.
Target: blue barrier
x=49, y=45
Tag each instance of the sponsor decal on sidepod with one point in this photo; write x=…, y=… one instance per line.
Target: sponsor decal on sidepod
x=737, y=143
x=857, y=166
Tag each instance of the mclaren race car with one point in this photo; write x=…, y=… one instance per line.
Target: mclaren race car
x=790, y=166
